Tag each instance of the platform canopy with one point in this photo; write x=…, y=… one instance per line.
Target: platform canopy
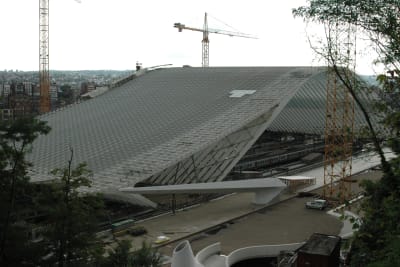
x=265, y=189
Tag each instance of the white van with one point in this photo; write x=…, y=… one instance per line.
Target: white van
x=316, y=204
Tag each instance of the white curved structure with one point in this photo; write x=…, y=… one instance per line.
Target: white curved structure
x=258, y=252
x=207, y=253
x=210, y=256
x=264, y=189
x=183, y=256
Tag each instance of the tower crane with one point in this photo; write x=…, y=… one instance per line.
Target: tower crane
x=206, y=42
x=44, y=75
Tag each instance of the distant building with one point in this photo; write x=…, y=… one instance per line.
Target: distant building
x=17, y=99
x=53, y=95
x=19, y=88
x=6, y=114
x=36, y=90
x=91, y=87
x=6, y=89
x=28, y=88
x=21, y=104
x=87, y=87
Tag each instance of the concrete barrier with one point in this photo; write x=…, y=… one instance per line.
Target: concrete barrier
x=207, y=252
x=183, y=256
x=258, y=252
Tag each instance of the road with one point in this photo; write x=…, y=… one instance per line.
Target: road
x=286, y=221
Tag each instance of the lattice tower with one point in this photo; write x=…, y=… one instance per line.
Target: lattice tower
x=44, y=76
x=339, y=124
x=205, y=44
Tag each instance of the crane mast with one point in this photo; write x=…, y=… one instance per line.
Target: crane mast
x=205, y=44
x=206, y=41
x=44, y=71
x=44, y=76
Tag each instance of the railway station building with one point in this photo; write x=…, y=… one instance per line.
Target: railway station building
x=184, y=125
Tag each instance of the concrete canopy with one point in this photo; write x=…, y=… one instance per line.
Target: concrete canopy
x=265, y=189
x=178, y=125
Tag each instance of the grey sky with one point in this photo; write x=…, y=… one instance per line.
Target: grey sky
x=114, y=34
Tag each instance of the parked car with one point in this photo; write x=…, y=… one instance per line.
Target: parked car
x=316, y=204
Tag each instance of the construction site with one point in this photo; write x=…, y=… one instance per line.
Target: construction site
x=180, y=151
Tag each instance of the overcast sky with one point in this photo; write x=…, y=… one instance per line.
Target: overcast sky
x=114, y=34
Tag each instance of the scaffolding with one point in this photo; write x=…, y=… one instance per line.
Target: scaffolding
x=339, y=123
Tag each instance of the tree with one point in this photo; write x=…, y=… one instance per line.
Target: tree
x=377, y=241
x=146, y=256
x=16, y=138
x=378, y=19
x=72, y=218
x=66, y=94
x=120, y=256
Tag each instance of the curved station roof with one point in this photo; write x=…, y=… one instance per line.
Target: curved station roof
x=180, y=125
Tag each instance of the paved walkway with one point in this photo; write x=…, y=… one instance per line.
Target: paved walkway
x=195, y=219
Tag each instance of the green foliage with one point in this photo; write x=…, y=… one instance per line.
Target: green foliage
x=120, y=256
x=66, y=94
x=72, y=218
x=379, y=19
x=146, y=256
x=380, y=229
x=377, y=242
x=391, y=254
x=390, y=106
x=16, y=138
